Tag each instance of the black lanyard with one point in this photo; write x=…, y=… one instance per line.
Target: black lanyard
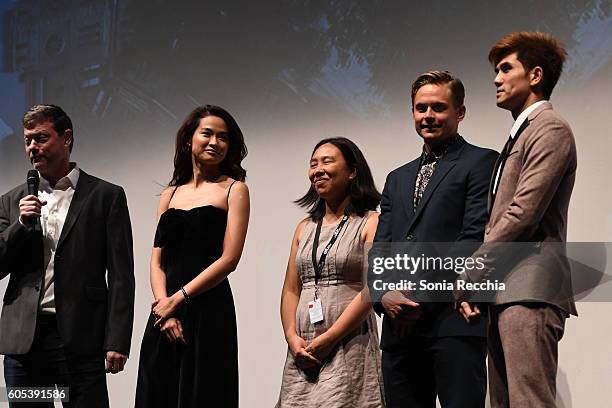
x=318, y=267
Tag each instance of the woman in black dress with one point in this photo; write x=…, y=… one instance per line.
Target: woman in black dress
x=189, y=353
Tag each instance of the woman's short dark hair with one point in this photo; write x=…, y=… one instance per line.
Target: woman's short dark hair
x=363, y=193
x=237, y=151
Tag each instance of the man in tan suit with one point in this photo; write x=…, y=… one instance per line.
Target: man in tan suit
x=528, y=201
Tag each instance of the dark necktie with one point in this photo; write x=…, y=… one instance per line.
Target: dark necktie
x=500, y=167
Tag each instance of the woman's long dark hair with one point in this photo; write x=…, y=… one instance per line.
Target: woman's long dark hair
x=237, y=151
x=363, y=193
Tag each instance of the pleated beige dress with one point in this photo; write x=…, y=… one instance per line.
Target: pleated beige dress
x=351, y=375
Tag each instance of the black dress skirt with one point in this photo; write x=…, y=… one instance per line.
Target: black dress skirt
x=204, y=372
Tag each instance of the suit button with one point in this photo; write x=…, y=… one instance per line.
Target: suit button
x=409, y=237
x=37, y=288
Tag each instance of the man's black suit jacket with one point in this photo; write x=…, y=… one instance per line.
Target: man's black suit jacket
x=453, y=209
x=94, y=310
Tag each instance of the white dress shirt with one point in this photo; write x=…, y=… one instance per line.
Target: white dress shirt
x=514, y=130
x=52, y=219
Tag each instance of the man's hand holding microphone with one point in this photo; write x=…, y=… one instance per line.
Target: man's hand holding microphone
x=30, y=205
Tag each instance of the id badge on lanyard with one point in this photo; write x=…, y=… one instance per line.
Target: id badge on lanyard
x=315, y=310
x=315, y=306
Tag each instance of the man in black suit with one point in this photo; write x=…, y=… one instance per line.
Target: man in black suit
x=69, y=303
x=428, y=349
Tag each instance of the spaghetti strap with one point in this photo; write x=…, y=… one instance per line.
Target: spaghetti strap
x=228, y=193
x=173, y=191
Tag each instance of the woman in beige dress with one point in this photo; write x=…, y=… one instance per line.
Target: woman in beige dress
x=333, y=358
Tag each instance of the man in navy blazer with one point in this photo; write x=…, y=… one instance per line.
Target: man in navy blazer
x=69, y=304
x=428, y=349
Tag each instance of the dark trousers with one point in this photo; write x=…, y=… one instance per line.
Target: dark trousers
x=523, y=349
x=453, y=368
x=47, y=365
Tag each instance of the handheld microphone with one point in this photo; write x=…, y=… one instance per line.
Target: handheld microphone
x=32, y=181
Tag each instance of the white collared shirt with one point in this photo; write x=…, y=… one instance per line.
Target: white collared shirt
x=52, y=219
x=514, y=130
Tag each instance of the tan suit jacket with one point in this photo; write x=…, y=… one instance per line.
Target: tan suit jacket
x=531, y=206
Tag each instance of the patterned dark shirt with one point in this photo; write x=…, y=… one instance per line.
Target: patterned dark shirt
x=426, y=170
